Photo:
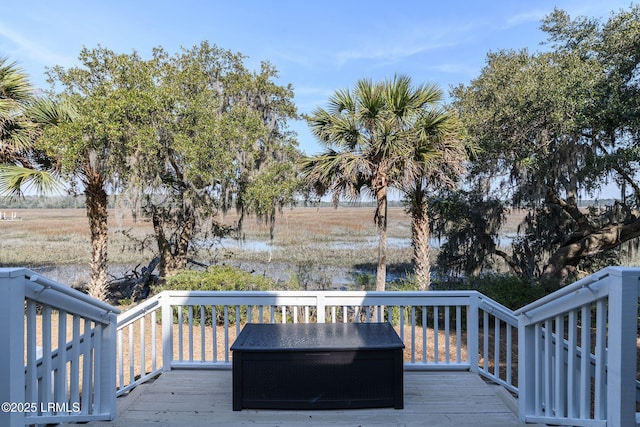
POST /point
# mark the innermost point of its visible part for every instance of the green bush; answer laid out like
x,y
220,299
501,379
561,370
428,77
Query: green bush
x,y
364,281
218,278
509,290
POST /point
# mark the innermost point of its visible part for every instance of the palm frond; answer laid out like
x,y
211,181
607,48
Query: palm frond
x,y
15,180
15,90
428,94
45,111
16,134
340,173
371,101
406,102
341,102
14,83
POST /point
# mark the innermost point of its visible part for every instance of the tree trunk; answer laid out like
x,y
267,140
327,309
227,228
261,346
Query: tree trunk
x,y
420,243
381,222
164,248
564,261
179,259
173,254
98,215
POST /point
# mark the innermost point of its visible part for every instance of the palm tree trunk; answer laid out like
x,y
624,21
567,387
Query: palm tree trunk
x,y
96,199
381,222
420,243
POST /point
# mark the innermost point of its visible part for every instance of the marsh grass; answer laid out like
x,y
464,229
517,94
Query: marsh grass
x,y
46,237
339,237
55,238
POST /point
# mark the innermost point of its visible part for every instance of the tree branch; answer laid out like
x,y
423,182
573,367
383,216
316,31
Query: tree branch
x,y
510,261
625,176
564,260
572,210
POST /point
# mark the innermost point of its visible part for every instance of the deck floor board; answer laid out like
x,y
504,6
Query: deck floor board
x,y
204,397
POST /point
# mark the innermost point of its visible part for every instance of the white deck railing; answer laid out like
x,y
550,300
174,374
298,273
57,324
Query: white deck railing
x,y
57,357
195,329
578,352
570,356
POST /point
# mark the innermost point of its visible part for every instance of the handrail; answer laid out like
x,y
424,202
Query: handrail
x,y
72,379
68,347
571,375
493,306
139,310
311,294
566,290
474,331
50,284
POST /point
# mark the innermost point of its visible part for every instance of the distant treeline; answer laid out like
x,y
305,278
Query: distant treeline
x,y
45,202
78,202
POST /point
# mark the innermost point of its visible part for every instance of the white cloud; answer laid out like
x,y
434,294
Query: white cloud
x,y
414,41
526,17
390,52
30,49
453,68
301,60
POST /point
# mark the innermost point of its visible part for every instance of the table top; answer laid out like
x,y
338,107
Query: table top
x,y
257,337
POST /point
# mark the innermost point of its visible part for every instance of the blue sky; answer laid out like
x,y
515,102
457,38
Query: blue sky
x,y
318,47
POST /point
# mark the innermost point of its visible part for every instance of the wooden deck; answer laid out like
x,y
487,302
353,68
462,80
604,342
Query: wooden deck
x,y
203,397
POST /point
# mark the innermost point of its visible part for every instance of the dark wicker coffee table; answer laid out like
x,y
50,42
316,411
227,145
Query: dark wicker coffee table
x,y
317,366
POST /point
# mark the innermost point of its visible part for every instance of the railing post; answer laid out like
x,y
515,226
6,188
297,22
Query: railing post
x,y
526,367
623,321
472,332
167,333
320,308
108,368
12,386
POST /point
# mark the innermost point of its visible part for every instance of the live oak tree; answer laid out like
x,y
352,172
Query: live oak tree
x,y
221,142
185,136
555,127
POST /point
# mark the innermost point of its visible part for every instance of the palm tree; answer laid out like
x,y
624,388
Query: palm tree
x,y
437,162
22,119
367,133
17,132
15,94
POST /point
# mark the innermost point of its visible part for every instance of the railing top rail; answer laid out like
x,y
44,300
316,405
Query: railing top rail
x,y
328,298
139,310
578,285
495,308
57,287
326,294
569,289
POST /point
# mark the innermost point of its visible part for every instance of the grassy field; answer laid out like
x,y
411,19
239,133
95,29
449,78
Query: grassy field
x,y
323,245
305,238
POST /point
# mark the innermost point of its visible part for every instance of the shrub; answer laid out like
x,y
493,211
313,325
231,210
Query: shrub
x,y
365,281
218,278
509,290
